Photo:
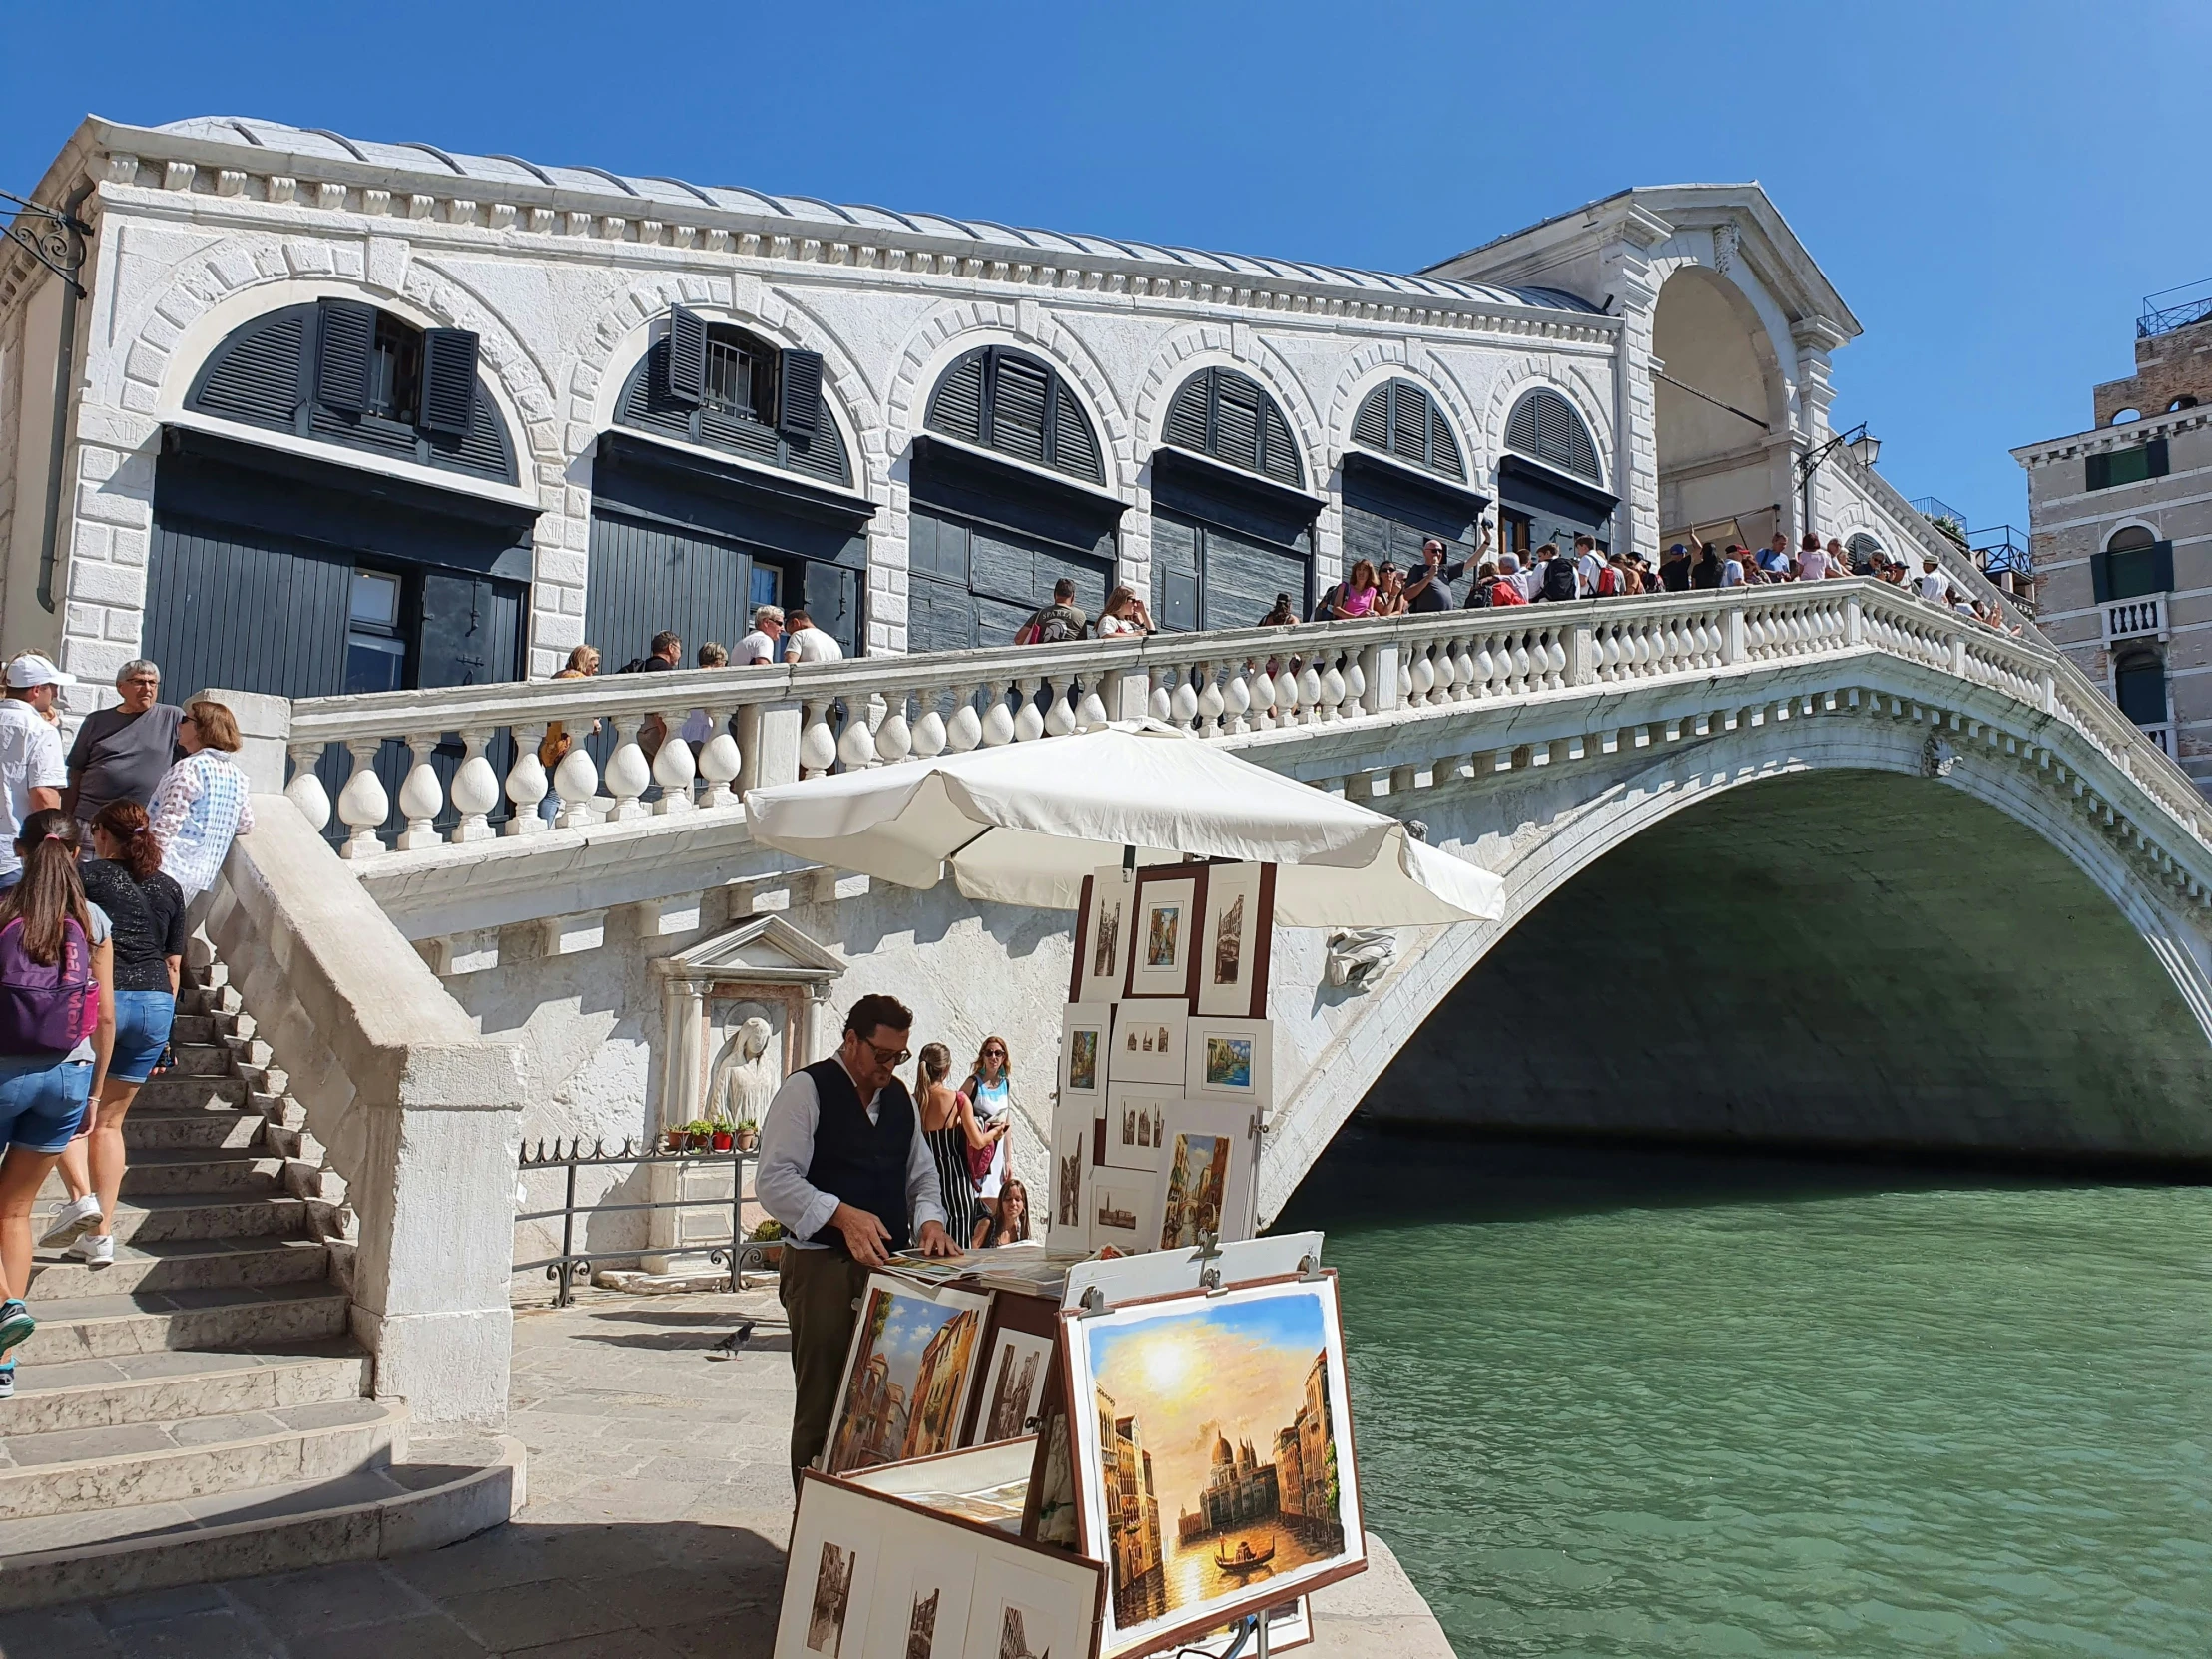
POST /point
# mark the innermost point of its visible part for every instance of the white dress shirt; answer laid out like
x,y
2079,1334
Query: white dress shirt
x,y
788,1150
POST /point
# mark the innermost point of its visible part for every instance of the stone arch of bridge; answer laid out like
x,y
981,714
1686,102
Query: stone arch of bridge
x,y
1958,960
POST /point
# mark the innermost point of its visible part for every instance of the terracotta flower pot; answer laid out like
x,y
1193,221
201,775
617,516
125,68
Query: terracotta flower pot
x,y
701,1140
675,1141
747,1139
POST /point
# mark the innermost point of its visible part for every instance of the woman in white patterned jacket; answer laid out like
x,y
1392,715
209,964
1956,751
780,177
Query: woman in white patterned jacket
x,y
203,803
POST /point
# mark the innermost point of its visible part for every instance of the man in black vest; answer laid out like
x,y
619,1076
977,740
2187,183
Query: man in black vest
x,y
844,1166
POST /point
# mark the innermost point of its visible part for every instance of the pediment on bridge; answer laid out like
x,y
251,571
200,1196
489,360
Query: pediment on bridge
x,y
758,950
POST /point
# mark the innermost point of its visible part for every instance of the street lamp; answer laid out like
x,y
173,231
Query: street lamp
x,y
1863,447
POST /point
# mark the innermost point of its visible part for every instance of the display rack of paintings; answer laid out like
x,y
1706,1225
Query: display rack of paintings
x,y
880,1575
1163,943
907,1376
1238,938
1212,1456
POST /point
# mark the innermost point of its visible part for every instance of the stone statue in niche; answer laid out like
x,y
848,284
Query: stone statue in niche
x,y
745,1075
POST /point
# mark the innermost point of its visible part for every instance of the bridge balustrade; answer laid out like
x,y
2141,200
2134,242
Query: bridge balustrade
x,y
769,724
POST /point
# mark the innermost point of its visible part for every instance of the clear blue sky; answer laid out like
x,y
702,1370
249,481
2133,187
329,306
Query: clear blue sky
x,y
1992,188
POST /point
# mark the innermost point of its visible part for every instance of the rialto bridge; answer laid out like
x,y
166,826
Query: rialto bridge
x,y
1813,864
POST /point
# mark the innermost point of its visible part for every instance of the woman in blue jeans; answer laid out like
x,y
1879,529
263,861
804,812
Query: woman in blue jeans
x,y
146,909
43,1091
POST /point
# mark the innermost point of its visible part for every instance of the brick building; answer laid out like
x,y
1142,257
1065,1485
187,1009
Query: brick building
x,y
2120,521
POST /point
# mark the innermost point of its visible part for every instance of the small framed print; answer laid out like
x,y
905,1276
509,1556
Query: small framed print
x,y
1204,1175
1136,1119
1165,923
1230,1060
1239,935
1085,1031
1102,935
1118,1205
1074,1132
1148,1039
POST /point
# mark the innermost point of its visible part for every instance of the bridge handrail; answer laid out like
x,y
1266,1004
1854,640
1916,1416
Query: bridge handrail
x,y
768,723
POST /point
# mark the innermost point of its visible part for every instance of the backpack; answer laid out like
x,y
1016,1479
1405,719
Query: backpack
x,y
45,1007
1561,581
1608,583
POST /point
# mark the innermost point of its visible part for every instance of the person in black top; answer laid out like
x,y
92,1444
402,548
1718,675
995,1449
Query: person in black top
x,y
146,910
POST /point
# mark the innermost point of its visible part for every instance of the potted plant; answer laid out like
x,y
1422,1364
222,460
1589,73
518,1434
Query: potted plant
x,y
719,1139
770,1228
701,1134
676,1137
748,1135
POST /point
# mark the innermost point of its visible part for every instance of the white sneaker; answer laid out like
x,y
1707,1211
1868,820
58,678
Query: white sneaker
x,y
95,1250
78,1215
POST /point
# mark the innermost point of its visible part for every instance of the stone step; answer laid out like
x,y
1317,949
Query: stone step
x,y
151,1388
104,1327
197,1028
176,1129
200,1060
160,1218
74,1470
447,1490
212,1171
172,1090
181,1265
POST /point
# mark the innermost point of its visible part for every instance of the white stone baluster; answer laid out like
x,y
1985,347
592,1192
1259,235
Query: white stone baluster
x,y
1059,717
673,768
1558,675
998,720
305,790
856,748
719,762
1090,713
929,731
1419,677
1306,705
628,773
475,789
818,745
527,782
894,739
421,796
964,731
362,804
576,782
1356,685
1236,698
1183,700
1028,719
1331,689
1516,677
1210,702
1159,702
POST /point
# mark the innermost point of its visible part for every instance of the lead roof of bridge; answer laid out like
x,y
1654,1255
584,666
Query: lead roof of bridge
x,y
416,157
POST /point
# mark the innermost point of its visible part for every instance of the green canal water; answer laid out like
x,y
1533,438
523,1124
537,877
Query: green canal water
x,y
1658,1404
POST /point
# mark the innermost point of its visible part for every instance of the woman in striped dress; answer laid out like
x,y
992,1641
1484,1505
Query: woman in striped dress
x,y
948,1124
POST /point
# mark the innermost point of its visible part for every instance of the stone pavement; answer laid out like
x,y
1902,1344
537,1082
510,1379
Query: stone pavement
x,y
659,1504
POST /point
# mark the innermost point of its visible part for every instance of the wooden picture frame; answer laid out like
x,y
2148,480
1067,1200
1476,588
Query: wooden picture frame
x,y
1147,1040
1246,1351
1165,922
1237,940
1031,1325
857,1431
1230,1060
1206,1175
1101,965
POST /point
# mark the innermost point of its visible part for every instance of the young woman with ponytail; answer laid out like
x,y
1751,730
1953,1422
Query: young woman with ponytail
x,y
57,1026
146,909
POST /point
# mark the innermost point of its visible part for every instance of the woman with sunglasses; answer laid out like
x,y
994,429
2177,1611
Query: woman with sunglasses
x,y
990,1088
203,803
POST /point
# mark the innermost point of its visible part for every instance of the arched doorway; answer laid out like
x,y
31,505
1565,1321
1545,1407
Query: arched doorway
x,y
1721,407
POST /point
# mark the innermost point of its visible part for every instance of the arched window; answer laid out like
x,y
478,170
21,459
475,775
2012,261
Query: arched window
x,y
2134,563
349,374
1863,550
713,385
2120,417
1227,416
998,398
2182,402
1399,419
1544,427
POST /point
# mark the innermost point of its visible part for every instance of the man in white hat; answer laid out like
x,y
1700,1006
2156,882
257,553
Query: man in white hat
x,y
32,768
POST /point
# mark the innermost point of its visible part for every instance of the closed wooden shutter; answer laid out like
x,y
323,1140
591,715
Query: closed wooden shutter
x,y
2156,459
687,356
1370,427
1444,447
1544,427
1241,577
957,406
2097,472
1074,446
1174,571
1279,454
644,578
1236,422
255,374
1409,422
1186,425
346,339
204,580
1020,392
798,395
448,380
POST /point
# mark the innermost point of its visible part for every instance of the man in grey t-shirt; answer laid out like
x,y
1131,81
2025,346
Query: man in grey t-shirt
x,y
121,752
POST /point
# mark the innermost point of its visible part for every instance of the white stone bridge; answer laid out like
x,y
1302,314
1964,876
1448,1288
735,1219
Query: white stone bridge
x,y
1818,864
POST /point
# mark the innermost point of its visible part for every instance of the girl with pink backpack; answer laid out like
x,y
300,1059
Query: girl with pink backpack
x,y
57,1026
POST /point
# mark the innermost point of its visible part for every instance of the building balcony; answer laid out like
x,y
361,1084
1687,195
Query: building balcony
x,y
2137,619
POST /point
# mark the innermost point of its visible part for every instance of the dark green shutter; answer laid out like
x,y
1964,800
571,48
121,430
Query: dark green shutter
x,y
2097,472
2100,573
345,340
1236,422
957,406
1444,447
1370,427
2156,459
798,395
448,380
255,374
1278,455
687,356
1186,423
1020,395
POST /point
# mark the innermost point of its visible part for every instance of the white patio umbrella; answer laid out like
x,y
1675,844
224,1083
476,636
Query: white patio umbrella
x,y
1024,822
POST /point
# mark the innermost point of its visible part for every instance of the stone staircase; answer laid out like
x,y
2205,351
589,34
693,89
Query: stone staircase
x,y
200,1409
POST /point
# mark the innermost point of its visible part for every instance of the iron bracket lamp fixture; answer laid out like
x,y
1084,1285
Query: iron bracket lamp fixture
x,y
1863,446
53,236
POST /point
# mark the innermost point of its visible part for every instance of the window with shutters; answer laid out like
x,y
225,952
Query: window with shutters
x,y
2125,466
2139,687
718,386
1544,427
1227,416
2133,565
349,374
1002,399
1401,420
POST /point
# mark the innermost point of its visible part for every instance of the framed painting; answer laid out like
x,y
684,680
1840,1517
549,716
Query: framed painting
x,y
1163,943
907,1376
1085,1031
1102,925
1010,1387
1136,1122
1119,1209
1148,1044
1075,1136
1230,1060
1236,1404
1205,1179
1239,936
